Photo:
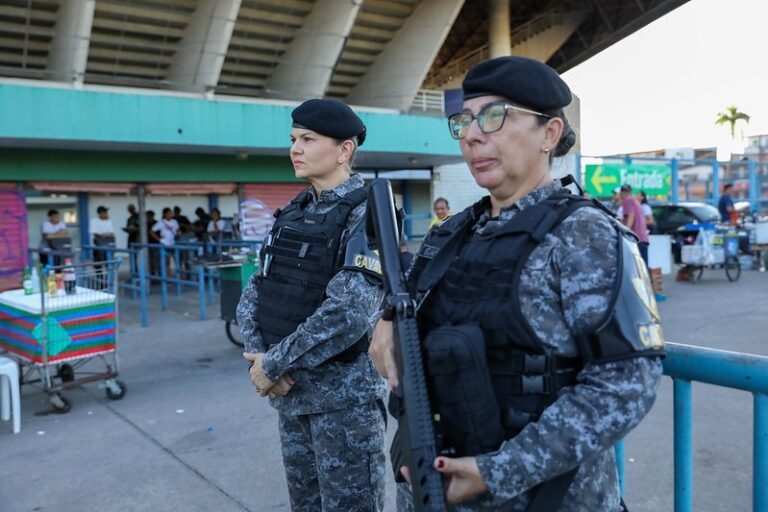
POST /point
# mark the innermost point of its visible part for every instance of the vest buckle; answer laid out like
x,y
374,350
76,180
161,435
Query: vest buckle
x,y
536,364
535,384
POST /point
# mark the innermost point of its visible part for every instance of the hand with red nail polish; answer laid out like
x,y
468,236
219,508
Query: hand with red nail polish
x,y
464,478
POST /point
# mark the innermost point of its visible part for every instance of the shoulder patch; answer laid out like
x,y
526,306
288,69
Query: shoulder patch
x,y
359,257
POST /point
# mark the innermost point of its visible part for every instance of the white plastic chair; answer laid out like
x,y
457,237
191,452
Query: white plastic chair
x,y
9,392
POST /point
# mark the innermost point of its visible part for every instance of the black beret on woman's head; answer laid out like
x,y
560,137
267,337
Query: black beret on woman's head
x,y
331,118
527,82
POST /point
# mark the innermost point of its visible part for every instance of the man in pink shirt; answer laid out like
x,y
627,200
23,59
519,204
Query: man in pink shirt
x,y
633,218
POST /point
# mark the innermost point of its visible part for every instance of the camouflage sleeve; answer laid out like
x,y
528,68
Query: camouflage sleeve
x,y
350,308
247,318
609,401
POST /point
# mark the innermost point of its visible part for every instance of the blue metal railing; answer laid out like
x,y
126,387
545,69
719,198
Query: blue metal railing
x,y
137,283
686,364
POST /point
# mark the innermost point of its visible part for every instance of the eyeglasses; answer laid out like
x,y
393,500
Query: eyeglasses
x,y
490,119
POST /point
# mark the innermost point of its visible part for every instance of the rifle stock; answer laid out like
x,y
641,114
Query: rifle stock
x,y
417,432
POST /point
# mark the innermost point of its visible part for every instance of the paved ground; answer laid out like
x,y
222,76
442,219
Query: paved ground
x,y
192,435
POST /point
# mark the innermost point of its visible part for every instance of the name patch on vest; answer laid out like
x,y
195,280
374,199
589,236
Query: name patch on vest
x,y
428,251
368,263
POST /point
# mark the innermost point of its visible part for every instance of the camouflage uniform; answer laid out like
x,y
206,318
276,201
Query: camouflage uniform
x,y
565,288
331,424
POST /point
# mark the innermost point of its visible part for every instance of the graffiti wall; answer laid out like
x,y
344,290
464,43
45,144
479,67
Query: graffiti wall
x,y
13,236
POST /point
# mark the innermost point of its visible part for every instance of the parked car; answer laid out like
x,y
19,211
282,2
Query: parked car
x,y
669,218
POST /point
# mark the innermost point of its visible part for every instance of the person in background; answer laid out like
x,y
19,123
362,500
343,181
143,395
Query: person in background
x,y
103,233
52,229
200,226
647,210
216,224
616,202
441,209
728,214
406,256
632,217
153,238
165,232
185,225
132,225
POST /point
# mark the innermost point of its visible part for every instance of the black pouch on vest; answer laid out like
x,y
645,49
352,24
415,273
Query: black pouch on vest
x,y
469,419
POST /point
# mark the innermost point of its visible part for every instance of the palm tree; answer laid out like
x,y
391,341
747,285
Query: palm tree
x,y
731,116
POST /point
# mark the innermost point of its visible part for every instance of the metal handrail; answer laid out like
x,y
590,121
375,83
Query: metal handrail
x,y
686,364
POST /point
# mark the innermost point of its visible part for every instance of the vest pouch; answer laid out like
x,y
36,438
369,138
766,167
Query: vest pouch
x,y
457,370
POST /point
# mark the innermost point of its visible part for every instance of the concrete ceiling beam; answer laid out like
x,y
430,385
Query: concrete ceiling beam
x,y
397,73
68,57
203,47
306,67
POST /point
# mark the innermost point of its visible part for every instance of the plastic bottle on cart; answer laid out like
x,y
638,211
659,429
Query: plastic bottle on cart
x,y
50,280
35,276
70,280
26,281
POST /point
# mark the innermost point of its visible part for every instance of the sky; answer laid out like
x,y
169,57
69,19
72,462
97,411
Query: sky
x,y
663,86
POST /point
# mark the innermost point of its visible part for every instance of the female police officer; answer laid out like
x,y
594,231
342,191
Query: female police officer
x,y
305,319
556,293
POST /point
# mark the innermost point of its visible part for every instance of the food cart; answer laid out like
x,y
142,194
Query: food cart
x,y
65,334
234,275
714,247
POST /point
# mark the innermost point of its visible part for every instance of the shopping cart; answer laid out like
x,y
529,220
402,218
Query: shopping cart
x,y
65,334
714,247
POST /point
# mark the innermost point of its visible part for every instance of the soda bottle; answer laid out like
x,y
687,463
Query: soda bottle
x,y
26,281
70,280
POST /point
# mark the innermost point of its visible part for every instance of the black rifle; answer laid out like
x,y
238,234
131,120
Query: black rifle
x,y
416,428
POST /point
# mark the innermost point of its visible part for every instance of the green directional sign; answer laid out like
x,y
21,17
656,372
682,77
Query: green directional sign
x,y
601,179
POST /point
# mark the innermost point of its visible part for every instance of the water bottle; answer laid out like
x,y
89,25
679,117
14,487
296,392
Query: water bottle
x,y
35,276
70,280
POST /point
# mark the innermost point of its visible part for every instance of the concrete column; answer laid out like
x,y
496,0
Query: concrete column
x,y
397,73
499,41
200,55
71,40
306,67
544,44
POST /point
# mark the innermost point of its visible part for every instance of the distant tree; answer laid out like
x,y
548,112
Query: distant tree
x,y
730,117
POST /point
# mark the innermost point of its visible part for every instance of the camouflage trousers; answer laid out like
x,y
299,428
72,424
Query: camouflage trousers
x,y
334,461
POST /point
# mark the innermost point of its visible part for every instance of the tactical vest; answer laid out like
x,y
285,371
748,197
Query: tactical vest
x,y
302,254
480,288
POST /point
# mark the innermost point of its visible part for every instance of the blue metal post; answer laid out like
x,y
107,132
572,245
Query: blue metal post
x,y
683,446
213,202
754,188
675,178
143,286
83,220
211,286
132,280
163,276
618,449
201,285
177,266
760,456
715,182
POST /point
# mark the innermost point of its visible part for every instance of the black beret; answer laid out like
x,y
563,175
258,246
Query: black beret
x,y
527,82
331,118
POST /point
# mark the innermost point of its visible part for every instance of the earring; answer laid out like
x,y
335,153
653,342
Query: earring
x,y
546,150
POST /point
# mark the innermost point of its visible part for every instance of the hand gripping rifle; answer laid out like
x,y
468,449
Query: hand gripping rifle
x,y
417,433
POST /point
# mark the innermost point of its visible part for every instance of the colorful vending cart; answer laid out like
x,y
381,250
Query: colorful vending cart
x,y
65,334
